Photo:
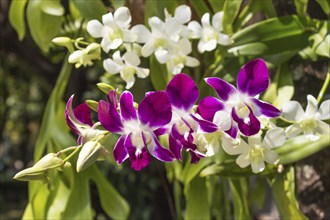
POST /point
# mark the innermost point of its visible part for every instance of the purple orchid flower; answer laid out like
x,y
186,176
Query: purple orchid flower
x,y
183,93
80,122
239,107
137,127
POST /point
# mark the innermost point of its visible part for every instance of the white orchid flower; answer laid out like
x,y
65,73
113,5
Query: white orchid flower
x,y
309,122
114,30
182,15
208,143
127,66
256,151
209,35
85,56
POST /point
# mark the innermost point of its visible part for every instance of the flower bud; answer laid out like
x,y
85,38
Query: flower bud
x,y
92,104
39,170
90,152
106,88
65,42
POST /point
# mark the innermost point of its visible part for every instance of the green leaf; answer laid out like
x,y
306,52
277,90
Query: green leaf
x,y
59,201
114,205
197,204
39,203
192,170
216,5
270,29
79,202
90,9
28,214
200,7
258,193
117,3
52,8
43,27
230,12
16,17
301,7
325,6
239,191
283,191
153,8
158,74
265,6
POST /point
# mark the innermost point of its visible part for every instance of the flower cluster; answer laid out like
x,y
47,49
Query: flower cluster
x,y
169,41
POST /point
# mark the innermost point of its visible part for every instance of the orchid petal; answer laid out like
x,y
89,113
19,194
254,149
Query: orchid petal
x,y
322,128
233,131
159,152
127,109
142,72
270,156
224,39
142,33
274,137
119,152
243,160
195,156
192,62
206,45
109,117
70,117
155,110
131,58
208,106
205,20
253,78
112,98
122,17
111,67
311,108
196,29
250,128
182,92
233,147
94,28
107,19
204,125
83,114
182,14
264,108
292,111
324,111
176,147
223,89
139,158
148,48
217,21
223,120
257,167
293,130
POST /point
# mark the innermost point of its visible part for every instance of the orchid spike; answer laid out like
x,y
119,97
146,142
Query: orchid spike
x,y
137,128
239,108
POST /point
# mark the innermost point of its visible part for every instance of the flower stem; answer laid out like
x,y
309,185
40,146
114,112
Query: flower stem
x,y
324,88
72,154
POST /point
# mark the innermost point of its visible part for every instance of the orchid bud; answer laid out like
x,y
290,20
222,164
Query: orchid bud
x,y
90,152
92,104
65,42
38,171
106,88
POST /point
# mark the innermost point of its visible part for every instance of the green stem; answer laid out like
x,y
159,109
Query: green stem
x,y
324,88
72,154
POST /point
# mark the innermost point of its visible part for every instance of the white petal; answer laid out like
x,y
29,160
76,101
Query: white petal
x,y
223,120
131,58
274,137
192,62
292,111
129,36
257,167
324,111
156,24
116,43
148,49
107,19
122,17
75,56
311,108
207,45
142,72
162,55
106,44
94,28
217,21
117,58
243,160
322,128
205,20
111,67
129,79
185,46
196,29
143,34
255,139
172,29
293,130
224,39
270,156
231,147
182,14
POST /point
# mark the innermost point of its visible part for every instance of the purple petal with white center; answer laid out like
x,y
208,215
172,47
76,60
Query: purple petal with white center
x,y
112,98
109,117
158,151
175,147
161,131
139,158
69,114
251,127
119,152
253,77
195,156
182,92
83,114
127,109
233,131
155,110
204,125
208,106
264,108
223,89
